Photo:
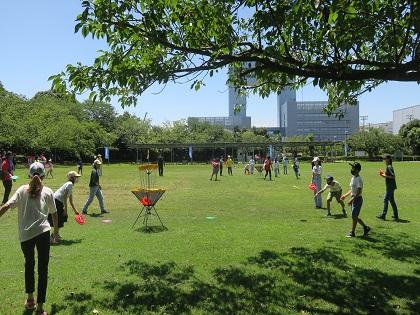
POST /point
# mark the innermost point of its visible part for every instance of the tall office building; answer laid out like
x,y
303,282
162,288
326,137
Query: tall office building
x,y
303,118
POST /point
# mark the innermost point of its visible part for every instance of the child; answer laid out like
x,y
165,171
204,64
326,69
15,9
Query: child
x,y
296,167
276,167
215,165
335,192
391,185
316,180
356,201
246,169
49,167
285,163
251,166
80,166
61,196
267,167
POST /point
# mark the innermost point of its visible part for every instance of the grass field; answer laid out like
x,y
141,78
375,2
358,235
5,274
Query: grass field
x,y
266,251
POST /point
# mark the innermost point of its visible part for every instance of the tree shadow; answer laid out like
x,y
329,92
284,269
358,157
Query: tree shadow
x,y
300,280
399,247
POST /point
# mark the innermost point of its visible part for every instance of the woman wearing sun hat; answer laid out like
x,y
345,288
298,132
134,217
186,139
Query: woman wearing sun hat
x,y
61,196
34,202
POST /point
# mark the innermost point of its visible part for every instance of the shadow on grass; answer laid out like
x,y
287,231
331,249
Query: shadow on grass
x,y
152,229
65,242
300,280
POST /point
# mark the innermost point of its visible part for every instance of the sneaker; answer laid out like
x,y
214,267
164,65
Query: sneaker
x,y
30,304
395,218
366,231
84,212
104,211
381,216
351,234
344,213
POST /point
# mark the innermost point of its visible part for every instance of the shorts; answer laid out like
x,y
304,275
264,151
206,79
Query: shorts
x,y
334,194
60,213
356,206
215,171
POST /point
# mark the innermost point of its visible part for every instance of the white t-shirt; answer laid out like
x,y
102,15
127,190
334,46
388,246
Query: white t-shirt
x,y
317,170
251,162
32,212
67,187
355,183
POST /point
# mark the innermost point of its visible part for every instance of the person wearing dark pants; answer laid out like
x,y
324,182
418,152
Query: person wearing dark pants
x,y
221,162
391,185
7,173
42,245
34,202
160,164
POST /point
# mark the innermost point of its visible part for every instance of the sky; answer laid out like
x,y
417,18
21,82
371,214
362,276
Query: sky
x,y
37,40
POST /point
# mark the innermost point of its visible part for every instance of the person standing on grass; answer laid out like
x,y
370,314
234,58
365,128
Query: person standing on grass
x,y
390,185
49,167
229,164
80,166
356,201
285,164
6,175
160,163
276,167
99,165
34,202
251,166
268,165
95,189
296,167
317,181
335,192
221,161
215,168
61,196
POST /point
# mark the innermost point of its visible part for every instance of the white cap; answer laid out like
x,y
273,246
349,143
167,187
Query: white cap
x,y
72,174
36,168
315,159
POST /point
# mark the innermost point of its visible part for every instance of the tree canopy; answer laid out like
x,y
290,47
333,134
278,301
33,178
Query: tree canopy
x,y
346,47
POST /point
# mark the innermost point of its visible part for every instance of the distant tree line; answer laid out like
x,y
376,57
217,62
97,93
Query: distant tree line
x,y
65,128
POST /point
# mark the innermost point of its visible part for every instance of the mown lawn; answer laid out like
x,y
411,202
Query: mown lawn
x,y
240,245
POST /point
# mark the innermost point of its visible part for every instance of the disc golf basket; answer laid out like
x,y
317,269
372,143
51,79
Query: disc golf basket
x,y
147,194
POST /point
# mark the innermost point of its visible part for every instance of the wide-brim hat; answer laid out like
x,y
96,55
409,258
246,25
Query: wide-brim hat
x,y
72,174
316,159
36,168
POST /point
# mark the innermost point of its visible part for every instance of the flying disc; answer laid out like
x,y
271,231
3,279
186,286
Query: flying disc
x,y
14,177
79,219
210,218
106,221
312,186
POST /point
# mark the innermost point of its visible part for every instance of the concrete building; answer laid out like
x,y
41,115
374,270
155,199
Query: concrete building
x,y
303,118
403,116
386,126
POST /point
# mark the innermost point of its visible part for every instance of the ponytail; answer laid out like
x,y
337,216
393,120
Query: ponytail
x,y
35,186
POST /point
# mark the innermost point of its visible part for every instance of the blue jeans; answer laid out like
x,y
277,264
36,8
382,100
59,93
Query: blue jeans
x,y
389,196
318,199
94,191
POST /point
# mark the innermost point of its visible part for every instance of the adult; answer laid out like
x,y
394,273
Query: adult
x,y
229,164
285,164
215,168
61,197
80,166
49,168
267,167
221,162
160,163
390,185
95,189
296,167
99,158
317,181
34,202
276,167
251,166
7,173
